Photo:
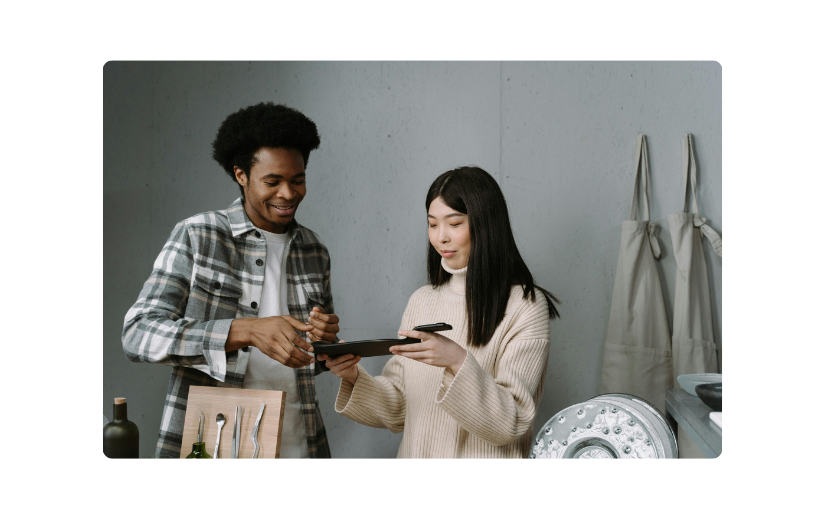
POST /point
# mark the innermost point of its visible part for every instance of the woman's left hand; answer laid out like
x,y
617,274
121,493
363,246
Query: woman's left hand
x,y
434,349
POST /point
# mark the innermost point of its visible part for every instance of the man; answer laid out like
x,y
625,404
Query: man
x,y
231,290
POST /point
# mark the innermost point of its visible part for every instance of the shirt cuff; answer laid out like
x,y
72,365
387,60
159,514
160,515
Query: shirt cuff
x,y
214,348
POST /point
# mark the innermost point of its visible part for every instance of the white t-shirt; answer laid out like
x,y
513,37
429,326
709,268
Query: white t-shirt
x,y
265,373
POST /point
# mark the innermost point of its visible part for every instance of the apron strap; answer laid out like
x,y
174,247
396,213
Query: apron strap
x,y
651,237
689,170
640,163
713,236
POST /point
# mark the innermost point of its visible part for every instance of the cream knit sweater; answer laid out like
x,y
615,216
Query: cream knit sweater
x,y
487,409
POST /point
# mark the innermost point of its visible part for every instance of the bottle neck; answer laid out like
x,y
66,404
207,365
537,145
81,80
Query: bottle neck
x,y
119,413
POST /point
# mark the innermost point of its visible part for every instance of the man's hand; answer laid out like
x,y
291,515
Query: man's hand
x,y
324,326
275,337
434,349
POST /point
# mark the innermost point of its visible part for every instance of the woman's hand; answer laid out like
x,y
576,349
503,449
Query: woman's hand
x,y
344,366
434,349
324,325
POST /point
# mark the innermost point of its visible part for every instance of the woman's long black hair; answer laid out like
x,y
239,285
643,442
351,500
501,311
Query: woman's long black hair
x,y
495,264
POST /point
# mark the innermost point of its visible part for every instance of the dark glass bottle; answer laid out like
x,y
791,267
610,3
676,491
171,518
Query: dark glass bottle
x,y
199,451
121,438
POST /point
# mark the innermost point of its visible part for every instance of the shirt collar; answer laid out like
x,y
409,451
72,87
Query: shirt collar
x,y
240,223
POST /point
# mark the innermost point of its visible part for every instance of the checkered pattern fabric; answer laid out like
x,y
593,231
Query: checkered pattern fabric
x,y
210,272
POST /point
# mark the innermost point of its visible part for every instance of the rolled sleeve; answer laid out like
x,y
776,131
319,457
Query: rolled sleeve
x,y
156,329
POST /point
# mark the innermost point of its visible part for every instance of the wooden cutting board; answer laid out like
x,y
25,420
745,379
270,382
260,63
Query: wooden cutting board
x,y
214,400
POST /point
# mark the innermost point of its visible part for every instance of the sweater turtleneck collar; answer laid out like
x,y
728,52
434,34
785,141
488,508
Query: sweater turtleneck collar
x,y
458,280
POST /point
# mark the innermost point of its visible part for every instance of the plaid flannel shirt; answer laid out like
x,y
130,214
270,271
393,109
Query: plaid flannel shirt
x,y
210,272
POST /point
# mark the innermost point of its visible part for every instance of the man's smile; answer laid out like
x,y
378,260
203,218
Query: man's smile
x,y
284,209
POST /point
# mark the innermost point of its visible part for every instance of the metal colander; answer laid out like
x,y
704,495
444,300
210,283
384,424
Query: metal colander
x,y
614,425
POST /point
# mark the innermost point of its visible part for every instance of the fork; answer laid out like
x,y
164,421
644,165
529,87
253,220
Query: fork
x,y
255,432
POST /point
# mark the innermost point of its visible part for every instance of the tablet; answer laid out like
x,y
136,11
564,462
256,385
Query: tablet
x,y
373,348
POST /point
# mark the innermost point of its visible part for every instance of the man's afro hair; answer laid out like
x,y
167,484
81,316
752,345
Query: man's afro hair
x,y
248,130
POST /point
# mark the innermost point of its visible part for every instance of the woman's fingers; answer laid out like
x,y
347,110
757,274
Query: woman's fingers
x,y
403,348
421,356
415,334
335,361
346,365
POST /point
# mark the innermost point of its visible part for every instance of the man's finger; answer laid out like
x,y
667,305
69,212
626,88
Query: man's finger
x,y
319,309
298,342
318,323
296,347
280,356
319,317
295,323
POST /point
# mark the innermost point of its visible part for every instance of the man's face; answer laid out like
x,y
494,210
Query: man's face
x,y
275,186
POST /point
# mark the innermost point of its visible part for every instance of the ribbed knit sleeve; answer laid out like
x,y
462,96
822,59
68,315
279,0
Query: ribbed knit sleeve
x,y
498,410
485,410
375,401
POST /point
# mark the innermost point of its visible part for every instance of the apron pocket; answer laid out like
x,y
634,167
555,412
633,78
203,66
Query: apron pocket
x,y
694,356
642,372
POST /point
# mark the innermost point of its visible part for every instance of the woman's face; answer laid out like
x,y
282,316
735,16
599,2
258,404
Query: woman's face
x,y
449,233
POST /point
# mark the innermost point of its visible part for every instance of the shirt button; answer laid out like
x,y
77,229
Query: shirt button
x,y
259,262
257,234
254,304
217,284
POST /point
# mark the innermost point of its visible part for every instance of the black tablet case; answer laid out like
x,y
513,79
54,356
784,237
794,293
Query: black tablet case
x,y
373,348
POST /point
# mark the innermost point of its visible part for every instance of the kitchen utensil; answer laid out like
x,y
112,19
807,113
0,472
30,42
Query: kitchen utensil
x,y
689,382
214,400
220,419
255,432
235,435
711,395
615,425
201,419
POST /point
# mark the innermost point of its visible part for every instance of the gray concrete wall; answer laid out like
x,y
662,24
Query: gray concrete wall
x,y
557,136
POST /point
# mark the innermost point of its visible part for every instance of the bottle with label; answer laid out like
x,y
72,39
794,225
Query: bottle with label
x,y
199,451
121,438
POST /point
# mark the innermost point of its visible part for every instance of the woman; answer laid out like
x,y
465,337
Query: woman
x,y
473,391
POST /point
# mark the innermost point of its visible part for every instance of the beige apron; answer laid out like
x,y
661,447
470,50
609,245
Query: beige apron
x,y
694,350
637,355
